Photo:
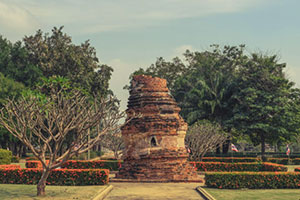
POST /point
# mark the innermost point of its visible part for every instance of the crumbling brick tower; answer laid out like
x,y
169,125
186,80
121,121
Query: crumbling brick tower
x,y
155,149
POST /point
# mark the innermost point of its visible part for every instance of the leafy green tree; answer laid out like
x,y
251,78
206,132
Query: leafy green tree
x,y
9,89
205,90
245,93
56,55
267,105
15,64
163,69
53,114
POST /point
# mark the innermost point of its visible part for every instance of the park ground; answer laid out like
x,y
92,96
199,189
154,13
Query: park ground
x,y
145,191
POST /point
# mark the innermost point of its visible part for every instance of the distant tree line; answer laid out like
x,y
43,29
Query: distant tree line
x,y
245,94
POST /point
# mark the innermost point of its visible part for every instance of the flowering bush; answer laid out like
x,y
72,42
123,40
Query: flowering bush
x,y
56,177
252,180
218,166
9,166
230,159
297,169
113,165
34,164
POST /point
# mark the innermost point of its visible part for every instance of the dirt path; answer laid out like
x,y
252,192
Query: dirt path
x,y
154,191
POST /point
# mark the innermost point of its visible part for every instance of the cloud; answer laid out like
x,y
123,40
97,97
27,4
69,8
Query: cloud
x,y
15,20
293,73
93,16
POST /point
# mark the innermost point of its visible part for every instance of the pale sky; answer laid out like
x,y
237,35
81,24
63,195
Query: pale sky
x,y
129,34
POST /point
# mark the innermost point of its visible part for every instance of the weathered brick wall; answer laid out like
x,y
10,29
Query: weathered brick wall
x,y
155,147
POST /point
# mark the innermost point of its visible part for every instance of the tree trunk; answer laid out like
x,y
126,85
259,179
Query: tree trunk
x,y
42,183
225,146
263,147
218,149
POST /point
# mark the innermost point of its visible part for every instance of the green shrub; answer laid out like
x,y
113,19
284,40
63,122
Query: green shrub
x,y
255,167
56,177
285,161
252,180
33,164
297,169
253,154
84,156
230,159
112,165
15,159
35,158
5,157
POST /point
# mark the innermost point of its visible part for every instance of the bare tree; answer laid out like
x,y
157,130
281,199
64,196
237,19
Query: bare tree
x,y
114,142
203,137
45,122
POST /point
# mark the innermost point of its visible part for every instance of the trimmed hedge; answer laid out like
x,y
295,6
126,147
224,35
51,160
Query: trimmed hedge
x,y
5,157
56,177
254,154
230,159
9,166
35,158
112,165
252,180
256,167
285,161
15,159
34,164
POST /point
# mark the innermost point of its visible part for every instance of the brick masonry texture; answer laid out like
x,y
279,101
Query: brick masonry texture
x,y
155,149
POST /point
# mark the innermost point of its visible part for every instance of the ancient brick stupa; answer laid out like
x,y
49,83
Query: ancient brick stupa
x,y
155,149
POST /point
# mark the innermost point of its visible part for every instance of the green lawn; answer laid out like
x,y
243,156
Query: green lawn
x,y
292,167
21,164
26,192
247,194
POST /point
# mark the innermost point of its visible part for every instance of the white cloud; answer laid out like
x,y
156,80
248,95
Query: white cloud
x,y
293,73
92,16
15,20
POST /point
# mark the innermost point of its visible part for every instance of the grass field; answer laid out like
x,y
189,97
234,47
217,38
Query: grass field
x,y
21,164
247,194
292,167
28,192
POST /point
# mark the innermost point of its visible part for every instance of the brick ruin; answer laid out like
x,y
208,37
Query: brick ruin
x,y
155,149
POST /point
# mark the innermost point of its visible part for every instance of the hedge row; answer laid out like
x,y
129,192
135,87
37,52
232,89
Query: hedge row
x,y
34,164
230,159
252,180
112,165
5,157
253,154
9,166
255,167
56,177
285,161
